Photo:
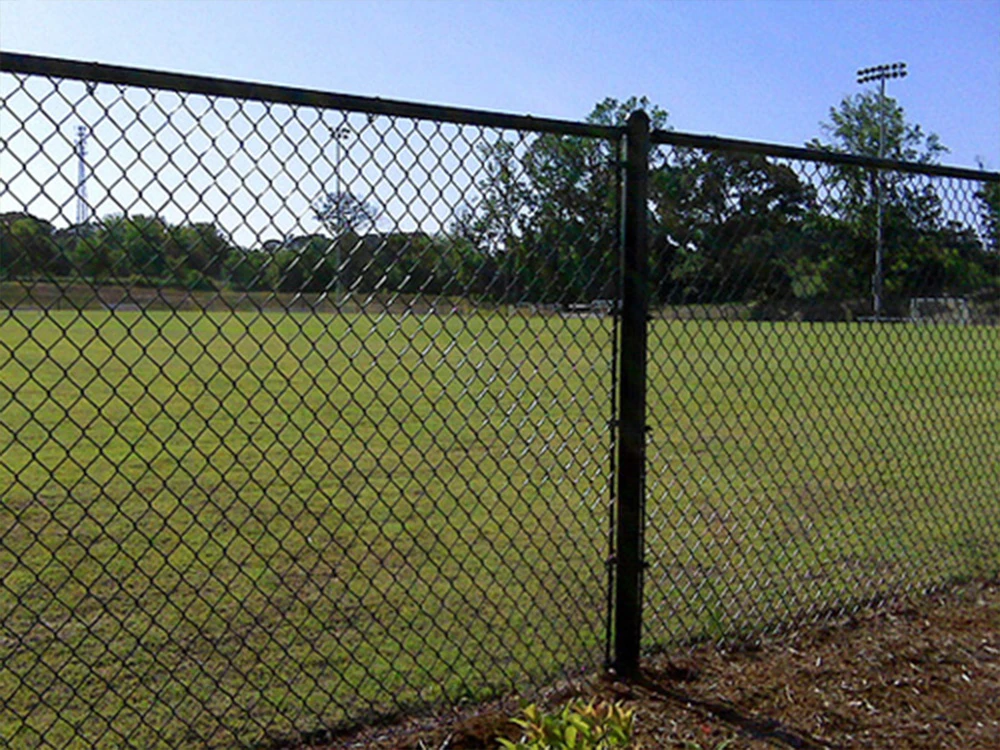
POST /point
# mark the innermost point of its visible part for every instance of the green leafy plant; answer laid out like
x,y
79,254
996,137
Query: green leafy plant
x,y
578,726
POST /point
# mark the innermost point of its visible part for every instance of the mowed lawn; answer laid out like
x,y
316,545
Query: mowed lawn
x,y
796,469
216,526
220,527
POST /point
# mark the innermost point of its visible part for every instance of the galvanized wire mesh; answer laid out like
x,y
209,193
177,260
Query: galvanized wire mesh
x,y
305,416
806,456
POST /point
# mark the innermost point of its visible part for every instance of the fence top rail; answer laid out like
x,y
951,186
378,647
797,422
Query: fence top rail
x,y
93,72
733,145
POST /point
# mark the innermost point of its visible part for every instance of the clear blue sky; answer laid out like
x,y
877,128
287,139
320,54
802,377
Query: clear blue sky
x,y
749,69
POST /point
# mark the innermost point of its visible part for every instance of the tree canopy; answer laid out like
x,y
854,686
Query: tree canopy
x,y
541,224
854,127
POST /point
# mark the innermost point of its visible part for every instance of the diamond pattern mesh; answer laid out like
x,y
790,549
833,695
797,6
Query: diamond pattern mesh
x,y
803,458
307,415
306,421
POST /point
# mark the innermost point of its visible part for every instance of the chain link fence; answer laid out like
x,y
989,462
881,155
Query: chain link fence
x,y
310,404
808,451
306,412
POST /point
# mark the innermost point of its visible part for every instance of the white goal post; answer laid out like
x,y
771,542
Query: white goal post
x,y
941,310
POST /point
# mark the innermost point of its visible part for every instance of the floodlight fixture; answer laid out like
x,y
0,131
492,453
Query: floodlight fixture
x,y
882,72
339,134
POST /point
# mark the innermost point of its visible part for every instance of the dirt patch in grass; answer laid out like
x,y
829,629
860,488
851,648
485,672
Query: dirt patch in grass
x,y
912,673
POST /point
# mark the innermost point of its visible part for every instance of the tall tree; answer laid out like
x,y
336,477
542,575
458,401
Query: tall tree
x,y
925,252
205,248
547,211
854,128
28,248
726,227
345,216
341,212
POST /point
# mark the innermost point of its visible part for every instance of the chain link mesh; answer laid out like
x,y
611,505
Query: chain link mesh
x,y
305,415
805,455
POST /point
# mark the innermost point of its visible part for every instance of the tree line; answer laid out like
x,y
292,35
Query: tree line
x,y
728,227
724,227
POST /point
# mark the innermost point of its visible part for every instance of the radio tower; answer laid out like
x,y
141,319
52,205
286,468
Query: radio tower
x,y
82,209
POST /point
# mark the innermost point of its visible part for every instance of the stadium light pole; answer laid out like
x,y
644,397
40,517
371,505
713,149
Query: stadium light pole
x,y
340,133
880,73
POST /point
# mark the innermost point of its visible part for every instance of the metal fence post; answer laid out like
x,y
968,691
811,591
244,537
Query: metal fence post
x,y
632,400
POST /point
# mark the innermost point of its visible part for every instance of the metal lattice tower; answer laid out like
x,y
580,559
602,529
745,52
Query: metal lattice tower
x,y
82,209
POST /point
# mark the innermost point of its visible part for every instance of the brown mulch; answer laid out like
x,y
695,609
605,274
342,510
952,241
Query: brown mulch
x,y
912,673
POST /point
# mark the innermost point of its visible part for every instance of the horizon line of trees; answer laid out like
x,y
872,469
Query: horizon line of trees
x,y
724,227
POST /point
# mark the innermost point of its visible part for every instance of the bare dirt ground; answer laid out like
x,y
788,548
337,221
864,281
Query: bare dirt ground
x,y
913,673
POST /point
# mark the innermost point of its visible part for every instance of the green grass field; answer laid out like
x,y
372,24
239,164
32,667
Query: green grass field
x,y
795,469
217,527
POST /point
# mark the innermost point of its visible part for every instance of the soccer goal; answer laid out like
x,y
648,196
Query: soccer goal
x,y
938,310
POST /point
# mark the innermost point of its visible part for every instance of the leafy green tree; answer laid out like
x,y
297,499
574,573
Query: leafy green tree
x,y
306,264
147,250
28,247
101,254
727,227
341,212
150,247
345,217
547,215
252,269
854,128
476,266
203,247
124,246
925,252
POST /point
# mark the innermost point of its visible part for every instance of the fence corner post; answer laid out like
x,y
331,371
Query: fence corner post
x,y
632,401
